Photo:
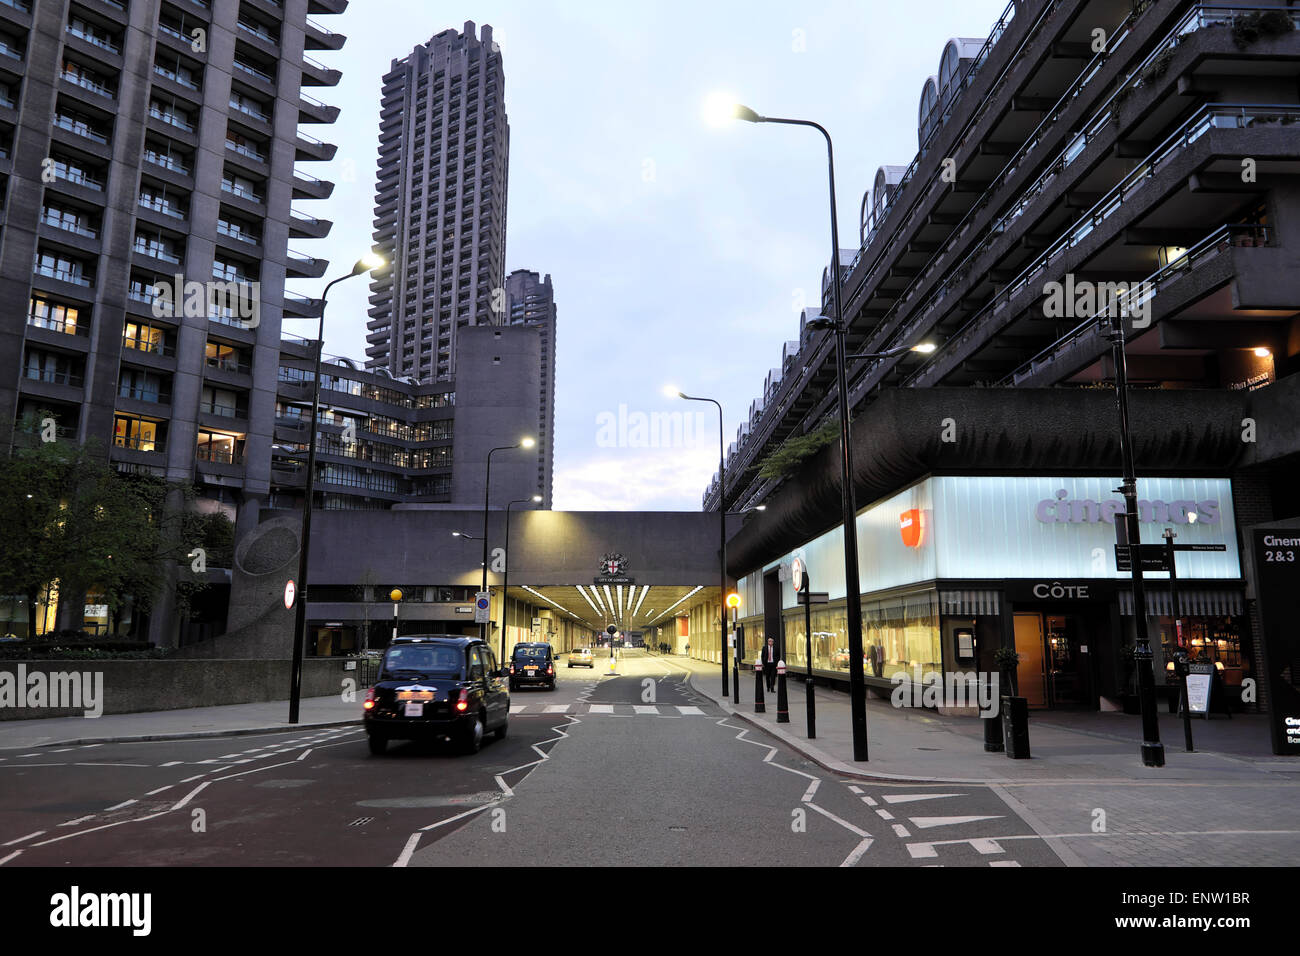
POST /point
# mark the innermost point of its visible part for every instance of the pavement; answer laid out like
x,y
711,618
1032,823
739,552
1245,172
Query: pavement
x,y
915,744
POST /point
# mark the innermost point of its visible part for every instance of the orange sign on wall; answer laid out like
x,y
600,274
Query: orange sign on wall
x,y
912,527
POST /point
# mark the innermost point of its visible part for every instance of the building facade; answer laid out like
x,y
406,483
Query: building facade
x,y
440,203
530,300
1088,160
148,182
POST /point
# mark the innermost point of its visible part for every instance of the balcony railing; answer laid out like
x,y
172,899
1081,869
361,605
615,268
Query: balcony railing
x,y
80,127
146,393
86,83
67,225
136,443
59,325
227,364
1226,236
104,43
217,455
155,347
63,275
52,376
218,408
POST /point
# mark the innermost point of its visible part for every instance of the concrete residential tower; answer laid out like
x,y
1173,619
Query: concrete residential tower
x,y
440,203
531,301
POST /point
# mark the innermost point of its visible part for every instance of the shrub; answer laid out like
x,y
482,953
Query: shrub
x,y
1251,27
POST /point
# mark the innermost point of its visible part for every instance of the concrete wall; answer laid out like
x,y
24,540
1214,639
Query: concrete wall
x,y
135,686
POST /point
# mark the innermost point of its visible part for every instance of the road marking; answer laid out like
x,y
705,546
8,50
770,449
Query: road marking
x,y
925,851
112,765
689,711
119,806
191,795
844,823
855,789
303,755
912,797
885,814
645,709
1003,863
22,838
517,708
861,848
6,859
901,830
73,823
926,823
160,790
868,801
405,856
231,776
601,709
556,709
171,763
812,789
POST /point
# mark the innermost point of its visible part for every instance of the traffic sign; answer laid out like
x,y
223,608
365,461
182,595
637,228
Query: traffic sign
x,y
813,597
482,602
796,574
1154,557
289,591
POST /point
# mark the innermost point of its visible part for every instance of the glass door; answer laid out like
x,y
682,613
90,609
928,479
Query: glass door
x,y
1030,672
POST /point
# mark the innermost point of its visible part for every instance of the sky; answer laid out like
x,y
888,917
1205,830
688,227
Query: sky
x,y
680,252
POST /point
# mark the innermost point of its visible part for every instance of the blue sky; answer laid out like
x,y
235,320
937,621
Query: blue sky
x,y
679,252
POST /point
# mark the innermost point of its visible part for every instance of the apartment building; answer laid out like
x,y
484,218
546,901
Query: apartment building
x,y
440,203
148,183
1086,152
530,300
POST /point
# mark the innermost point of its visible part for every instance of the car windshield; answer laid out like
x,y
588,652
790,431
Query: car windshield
x,y
533,653
423,658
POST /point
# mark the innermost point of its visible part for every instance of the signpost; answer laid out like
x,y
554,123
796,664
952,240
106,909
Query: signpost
x,y
807,598
289,591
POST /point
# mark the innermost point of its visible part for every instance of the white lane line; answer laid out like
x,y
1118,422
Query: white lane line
x,y
160,790
6,859
171,763
22,838
517,708
119,806
926,823
601,709
844,823
855,789
868,801
689,711
901,830
459,816
913,797
556,709
886,815
112,765
812,789
191,795
861,848
645,709
407,851
106,826
62,750
303,755
242,773
73,823
1003,863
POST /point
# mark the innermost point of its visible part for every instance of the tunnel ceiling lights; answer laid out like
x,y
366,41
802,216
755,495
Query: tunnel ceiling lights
x,y
645,589
546,599
609,598
618,588
587,599
698,587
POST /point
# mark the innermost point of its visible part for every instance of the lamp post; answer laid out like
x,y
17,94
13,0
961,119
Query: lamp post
x,y
1153,751
487,485
722,527
505,570
396,595
857,683
369,263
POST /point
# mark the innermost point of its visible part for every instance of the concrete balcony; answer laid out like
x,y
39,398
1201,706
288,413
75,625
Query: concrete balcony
x,y
309,187
315,73
309,148
298,266
302,226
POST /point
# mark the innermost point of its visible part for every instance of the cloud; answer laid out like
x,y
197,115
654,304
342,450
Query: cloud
x,y
649,479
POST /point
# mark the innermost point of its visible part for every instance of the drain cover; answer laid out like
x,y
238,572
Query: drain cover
x,y
927,748
678,829
361,821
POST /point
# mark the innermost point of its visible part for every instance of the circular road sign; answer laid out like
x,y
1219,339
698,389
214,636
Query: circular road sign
x,y
796,574
289,591
482,603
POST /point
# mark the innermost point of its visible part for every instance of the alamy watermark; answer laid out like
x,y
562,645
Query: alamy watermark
x,y
932,689
629,429
63,690
1083,299
234,300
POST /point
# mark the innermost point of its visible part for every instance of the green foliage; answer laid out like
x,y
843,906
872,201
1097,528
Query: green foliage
x,y
1006,658
1251,27
786,460
71,518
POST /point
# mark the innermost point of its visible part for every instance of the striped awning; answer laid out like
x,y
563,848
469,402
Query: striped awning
x,y
1194,602
970,602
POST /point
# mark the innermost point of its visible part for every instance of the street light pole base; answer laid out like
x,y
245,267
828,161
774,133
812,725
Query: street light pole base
x,y
1153,754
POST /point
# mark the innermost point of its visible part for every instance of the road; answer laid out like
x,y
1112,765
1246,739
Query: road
x,y
626,768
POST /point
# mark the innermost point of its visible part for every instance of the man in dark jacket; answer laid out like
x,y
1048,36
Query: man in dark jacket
x,y
769,664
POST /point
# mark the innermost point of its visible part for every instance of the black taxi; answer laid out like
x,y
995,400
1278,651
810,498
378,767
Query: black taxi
x,y
437,687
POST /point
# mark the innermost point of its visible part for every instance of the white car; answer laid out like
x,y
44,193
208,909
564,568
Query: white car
x,y
581,657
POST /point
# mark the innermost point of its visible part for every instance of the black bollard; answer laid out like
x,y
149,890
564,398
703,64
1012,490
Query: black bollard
x,y
782,702
759,707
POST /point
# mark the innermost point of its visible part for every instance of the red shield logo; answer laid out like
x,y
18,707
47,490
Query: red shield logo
x,y
912,527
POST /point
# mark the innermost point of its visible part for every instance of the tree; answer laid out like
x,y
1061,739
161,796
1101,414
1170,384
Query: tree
x,y
72,518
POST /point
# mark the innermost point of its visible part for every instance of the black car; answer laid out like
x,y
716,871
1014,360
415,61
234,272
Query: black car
x,y
532,664
436,686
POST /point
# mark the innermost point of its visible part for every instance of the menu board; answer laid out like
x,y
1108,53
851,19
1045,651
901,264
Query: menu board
x,y
1277,580
1200,680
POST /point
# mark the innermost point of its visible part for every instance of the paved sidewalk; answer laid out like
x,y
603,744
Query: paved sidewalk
x,y
224,721
920,745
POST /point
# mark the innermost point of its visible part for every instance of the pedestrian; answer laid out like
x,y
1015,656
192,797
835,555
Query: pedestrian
x,y
769,664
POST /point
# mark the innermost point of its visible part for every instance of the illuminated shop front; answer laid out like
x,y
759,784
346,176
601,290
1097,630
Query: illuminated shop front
x,y
954,567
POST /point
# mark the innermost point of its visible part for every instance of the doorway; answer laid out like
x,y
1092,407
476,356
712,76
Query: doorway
x,y
1055,667
1031,680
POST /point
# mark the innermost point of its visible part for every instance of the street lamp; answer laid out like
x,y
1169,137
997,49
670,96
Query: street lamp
x,y
505,570
369,263
673,392
719,110
1153,751
487,485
